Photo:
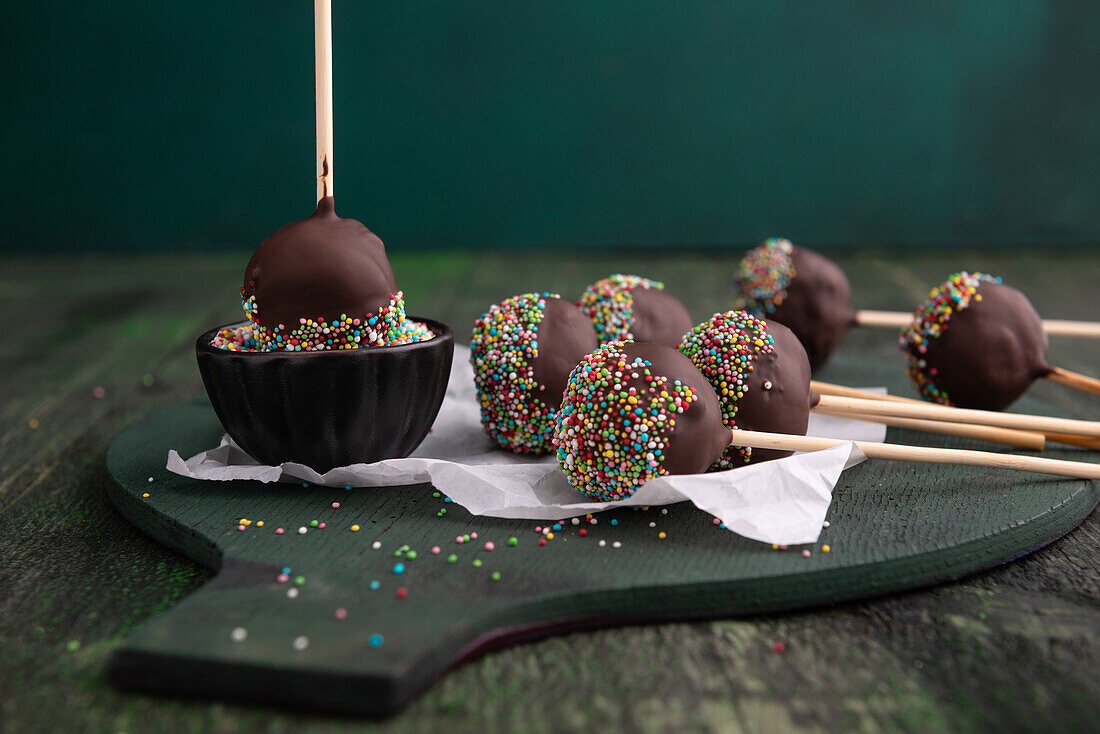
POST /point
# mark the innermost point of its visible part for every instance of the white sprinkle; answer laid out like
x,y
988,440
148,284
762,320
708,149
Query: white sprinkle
x,y
302,530
292,593
664,511
576,521
238,634
301,642
653,525
825,524
616,544
150,479
603,543
376,544
593,521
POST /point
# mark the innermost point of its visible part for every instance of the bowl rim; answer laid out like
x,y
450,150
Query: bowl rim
x,y
442,331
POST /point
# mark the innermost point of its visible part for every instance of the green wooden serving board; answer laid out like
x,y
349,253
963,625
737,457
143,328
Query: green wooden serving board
x,y
893,526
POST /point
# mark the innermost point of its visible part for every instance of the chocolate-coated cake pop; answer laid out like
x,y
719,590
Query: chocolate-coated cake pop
x,y
323,282
634,411
806,292
975,343
761,374
630,308
522,351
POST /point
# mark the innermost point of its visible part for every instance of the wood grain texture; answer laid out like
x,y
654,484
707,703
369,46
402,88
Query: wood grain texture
x,y
1013,648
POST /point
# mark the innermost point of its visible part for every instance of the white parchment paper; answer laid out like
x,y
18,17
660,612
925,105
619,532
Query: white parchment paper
x,y
783,501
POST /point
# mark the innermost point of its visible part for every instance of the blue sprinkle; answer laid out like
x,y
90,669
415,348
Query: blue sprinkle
x,y
399,568
287,570
347,487
447,499
374,585
376,640
614,522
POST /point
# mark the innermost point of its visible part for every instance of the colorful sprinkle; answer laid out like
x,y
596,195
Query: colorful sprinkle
x,y
609,302
763,275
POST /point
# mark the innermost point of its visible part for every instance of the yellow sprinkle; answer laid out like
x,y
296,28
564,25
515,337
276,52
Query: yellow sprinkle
x,y
146,494
825,549
33,423
662,535
260,523
775,546
355,528
549,536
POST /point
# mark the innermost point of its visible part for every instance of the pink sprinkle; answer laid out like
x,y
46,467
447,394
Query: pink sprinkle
x,y
473,535
341,613
279,531
99,392
436,550
460,539
336,505
489,545
538,528
321,526
717,521
241,528
782,547
282,578
805,554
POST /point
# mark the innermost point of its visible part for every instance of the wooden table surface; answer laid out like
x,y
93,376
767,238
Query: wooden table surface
x,y
94,343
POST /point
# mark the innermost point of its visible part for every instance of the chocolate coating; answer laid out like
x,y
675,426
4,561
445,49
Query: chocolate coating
x,y
699,436
818,306
784,407
565,335
989,353
321,267
659,317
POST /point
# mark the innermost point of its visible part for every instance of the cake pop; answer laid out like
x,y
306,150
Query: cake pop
x,y
323,282
630,308
761,375
634,411
522,351
975,343
806,292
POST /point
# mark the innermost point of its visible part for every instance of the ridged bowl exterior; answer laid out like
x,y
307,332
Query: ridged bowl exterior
x,y
328,409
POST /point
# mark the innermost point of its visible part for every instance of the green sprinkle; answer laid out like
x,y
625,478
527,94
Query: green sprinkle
x,y
73,645
299,580
513,541
435,494
495,576
313,523
477,563
452,558
411,555
148,380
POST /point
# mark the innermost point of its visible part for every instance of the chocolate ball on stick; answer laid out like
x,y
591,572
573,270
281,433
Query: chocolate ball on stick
x,y
634,411
806,292
630,308
522,351
320,283
975,343
761,375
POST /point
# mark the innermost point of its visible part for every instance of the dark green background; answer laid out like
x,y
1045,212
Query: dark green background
x,y
576,122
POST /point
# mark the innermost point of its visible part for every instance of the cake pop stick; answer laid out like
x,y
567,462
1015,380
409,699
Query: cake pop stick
x,y
1005,436
1052,327
810,294
978,343
634,411
826,388
874,450
322,68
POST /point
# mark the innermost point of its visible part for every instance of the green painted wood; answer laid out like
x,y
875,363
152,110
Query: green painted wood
x,y
579,122
893,527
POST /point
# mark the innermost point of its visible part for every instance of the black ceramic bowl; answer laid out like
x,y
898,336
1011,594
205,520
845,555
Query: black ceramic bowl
x,y
328,409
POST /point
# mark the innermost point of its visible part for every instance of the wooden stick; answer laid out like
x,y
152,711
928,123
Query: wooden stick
x,y
962,415
1007,436
1075,380
1053,327
782,441
322,63
828,388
